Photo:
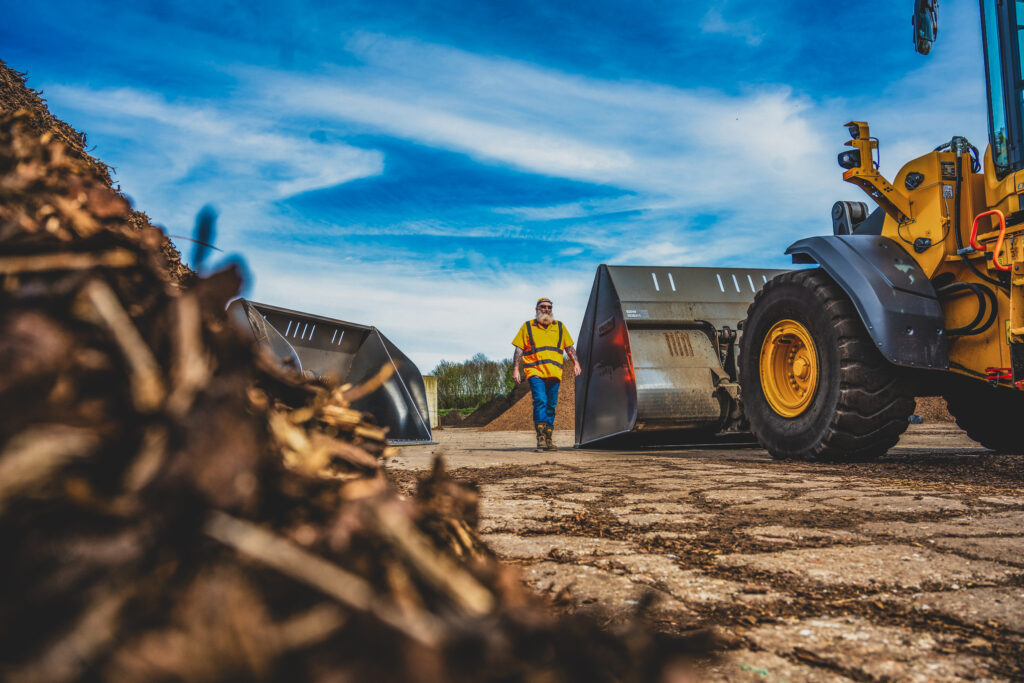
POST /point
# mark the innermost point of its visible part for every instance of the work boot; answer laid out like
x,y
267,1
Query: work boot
x,y
549,445
541,443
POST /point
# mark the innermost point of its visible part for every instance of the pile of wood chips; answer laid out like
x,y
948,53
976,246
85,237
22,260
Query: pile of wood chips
x,y
15,95
490,410
519,416
175,506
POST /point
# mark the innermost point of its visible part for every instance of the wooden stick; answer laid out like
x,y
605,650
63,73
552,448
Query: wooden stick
x,y
32,456
191,370
310,628
146,383
371,385
70,657
36,263
441,571
348,589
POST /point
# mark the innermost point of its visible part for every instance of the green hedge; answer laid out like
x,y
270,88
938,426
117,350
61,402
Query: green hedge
x,y
471,383
443,412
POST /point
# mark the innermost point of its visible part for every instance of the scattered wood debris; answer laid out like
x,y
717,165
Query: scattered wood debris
x,y
173,505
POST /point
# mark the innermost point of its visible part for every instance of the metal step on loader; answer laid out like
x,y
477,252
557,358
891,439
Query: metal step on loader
x,y
346,353
658,352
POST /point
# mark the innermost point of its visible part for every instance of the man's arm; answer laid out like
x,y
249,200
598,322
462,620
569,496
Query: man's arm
x,y
515,365
571,352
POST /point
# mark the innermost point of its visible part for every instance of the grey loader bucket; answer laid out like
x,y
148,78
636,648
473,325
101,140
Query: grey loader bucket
x,y
658,353
349,354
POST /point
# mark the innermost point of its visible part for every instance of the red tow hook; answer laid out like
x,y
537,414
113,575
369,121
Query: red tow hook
x,y
996,375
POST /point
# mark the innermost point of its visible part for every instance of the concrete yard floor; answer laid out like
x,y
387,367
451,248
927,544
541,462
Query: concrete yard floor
x,y
909,568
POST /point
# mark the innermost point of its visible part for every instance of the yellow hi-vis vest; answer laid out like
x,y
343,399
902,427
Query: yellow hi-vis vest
x,y
542,347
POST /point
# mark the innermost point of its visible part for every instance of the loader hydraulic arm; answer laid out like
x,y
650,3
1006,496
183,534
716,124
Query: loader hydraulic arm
x,y
861,171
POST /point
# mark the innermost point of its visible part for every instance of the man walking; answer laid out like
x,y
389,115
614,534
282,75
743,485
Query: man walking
x,y
540,344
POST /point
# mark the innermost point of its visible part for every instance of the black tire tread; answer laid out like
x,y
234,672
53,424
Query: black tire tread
x,y
874,401
990,416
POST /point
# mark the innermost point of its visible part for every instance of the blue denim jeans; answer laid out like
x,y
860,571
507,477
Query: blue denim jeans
x,y
545,398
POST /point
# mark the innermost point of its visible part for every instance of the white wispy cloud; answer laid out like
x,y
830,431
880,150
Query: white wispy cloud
x,y
687,145
236,152
714,21
759,159
757,155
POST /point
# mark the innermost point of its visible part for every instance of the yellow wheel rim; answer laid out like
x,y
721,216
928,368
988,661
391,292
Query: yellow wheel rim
x,y
789,368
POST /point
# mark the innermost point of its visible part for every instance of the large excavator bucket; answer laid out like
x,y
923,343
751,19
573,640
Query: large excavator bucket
x,y
658,353
346,353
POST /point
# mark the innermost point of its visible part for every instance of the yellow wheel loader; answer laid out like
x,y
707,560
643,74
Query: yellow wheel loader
x,y
923,296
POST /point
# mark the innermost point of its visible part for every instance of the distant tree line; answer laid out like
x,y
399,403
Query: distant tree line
x,y
467,385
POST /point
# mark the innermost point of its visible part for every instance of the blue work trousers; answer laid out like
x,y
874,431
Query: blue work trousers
x,y
545,398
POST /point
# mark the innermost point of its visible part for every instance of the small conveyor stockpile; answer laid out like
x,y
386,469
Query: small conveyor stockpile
x,y
657,347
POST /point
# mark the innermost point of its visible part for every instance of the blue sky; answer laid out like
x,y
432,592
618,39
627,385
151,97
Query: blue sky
x,y
433,167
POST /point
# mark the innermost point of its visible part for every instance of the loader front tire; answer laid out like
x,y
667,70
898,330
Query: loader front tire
x,y
991,416
814,386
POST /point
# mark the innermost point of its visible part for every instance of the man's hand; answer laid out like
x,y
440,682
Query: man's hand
x,y
517,378
571,352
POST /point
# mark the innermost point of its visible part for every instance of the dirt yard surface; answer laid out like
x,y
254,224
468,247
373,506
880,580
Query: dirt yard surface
x,y
910,568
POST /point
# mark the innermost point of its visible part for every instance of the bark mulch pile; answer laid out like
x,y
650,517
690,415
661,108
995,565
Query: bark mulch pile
x,y
520,416
15,95
173,506
453,419
486,413
933,409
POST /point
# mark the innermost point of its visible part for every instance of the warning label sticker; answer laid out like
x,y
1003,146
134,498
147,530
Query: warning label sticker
x,y
948,170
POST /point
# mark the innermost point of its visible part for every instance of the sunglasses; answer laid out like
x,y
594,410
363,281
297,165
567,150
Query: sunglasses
x,y
544,308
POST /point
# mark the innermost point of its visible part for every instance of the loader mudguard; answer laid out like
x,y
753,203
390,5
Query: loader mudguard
x,y
892,295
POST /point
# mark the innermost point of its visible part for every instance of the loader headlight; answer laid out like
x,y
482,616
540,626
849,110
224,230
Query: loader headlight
x,y
854,132
849,159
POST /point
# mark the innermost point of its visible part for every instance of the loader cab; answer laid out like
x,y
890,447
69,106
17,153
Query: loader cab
x,y
1001,23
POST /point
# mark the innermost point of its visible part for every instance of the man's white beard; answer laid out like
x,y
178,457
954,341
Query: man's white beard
x,y
544,317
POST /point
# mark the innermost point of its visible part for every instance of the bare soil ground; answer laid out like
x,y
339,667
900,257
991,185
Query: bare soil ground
x,y
910,568
519,417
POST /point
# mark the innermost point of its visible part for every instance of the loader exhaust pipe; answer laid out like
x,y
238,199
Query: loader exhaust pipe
x,y
344,352
657,349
